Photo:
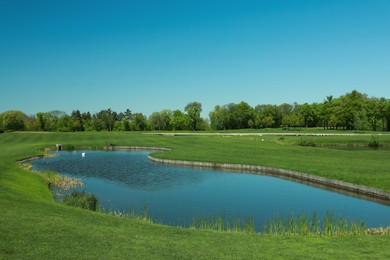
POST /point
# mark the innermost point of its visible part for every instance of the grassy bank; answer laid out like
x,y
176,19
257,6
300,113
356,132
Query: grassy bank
x,y
33,226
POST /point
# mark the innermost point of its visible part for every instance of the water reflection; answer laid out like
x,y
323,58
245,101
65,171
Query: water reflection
x,y
134,171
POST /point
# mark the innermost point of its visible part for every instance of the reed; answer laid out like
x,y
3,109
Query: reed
x,y
249,225
81,199
131,214
306,225
223,224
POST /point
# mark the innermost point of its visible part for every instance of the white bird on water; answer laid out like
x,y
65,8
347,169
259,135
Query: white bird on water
x,y
83,154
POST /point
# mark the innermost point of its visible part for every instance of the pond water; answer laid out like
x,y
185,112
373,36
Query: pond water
x,y
126,180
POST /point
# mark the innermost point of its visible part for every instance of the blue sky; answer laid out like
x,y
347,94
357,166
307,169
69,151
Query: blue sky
x,y
153,55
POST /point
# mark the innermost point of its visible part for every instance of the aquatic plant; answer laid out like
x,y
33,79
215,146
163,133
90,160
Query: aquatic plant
x,y
131,214
81,199
305,225
374,142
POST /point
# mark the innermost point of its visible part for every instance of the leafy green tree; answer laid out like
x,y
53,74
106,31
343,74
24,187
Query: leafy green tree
x,y
65,123
267,116
335,117
351,104
87,121
204,124
77,121
382,103
14,120
293,120
138,122
180,121
49,121
119,125
219,118
308,113
373,113
193,110
387,115
161,120
325,111
105,120
267,121
40,120
240,115
360,120
1,123
30,123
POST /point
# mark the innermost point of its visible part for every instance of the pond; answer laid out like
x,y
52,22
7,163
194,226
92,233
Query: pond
x,y
127,180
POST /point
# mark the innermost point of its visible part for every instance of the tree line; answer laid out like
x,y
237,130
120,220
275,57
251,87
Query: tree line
x,y
105,120
352,111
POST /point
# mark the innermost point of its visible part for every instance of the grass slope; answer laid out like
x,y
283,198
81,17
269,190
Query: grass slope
x,y
33,226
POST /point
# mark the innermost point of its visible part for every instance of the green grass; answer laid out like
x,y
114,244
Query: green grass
x,y
32,225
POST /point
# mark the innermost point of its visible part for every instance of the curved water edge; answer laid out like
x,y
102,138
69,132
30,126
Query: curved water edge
x,y
353,190
125,180
346,188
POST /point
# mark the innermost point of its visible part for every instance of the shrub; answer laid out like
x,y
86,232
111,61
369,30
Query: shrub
x,y
70,147
81,199
310,143
374,143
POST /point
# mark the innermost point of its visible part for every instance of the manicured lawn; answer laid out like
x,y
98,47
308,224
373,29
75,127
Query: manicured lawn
x,y
33,226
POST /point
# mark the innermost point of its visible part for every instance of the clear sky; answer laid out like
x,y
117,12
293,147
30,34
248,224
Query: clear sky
x,y
153,55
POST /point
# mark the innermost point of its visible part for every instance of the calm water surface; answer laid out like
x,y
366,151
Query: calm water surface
x,y
125,180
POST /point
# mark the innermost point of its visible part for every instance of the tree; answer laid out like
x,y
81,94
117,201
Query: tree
x,y
267,116
87,121
138,122
160,120
180,121
77,121
218,118
351,104
387,115
240,115
193,110
293,120
65,124
1,123
360,120
325,111
13,120
308,113
49,121
373,112
105,120
40,119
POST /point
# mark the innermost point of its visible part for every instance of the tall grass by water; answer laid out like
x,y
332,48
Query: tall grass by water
x,y
81,199
223,223
279,225
131,214
311,224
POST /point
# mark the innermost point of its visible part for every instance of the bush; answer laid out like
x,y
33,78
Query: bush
x,y
82,200
374,143
310,143
70,147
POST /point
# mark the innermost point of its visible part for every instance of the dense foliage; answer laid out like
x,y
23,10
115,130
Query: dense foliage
x,y
352,111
